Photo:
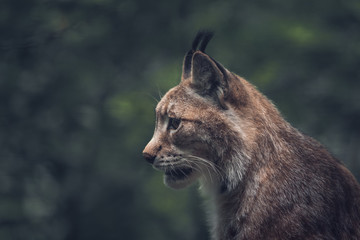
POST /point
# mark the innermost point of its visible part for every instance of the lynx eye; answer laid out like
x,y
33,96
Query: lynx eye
x,y
174,123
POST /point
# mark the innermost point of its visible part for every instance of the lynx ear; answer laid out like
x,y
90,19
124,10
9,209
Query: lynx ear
x,y
186,69
208,78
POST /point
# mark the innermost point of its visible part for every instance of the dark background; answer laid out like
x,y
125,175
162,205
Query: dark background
x,y
78,86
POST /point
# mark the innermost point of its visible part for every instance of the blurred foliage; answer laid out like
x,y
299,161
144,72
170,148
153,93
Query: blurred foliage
x,y
79,81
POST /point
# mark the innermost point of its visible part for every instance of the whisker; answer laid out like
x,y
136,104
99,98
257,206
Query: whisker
x,y
160,93
153,98
198,164
207,165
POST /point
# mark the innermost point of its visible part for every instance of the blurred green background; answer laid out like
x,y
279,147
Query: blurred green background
x,y
78,86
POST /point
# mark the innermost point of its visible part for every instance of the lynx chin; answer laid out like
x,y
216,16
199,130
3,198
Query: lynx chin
x,y
266,179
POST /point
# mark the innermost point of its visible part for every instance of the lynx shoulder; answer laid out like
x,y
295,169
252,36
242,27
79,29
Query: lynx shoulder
x,y
265,178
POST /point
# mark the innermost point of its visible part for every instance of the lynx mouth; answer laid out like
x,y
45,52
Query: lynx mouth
x,y
178,177
178,174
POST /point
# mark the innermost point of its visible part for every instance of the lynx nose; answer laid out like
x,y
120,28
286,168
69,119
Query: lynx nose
x,y
148,157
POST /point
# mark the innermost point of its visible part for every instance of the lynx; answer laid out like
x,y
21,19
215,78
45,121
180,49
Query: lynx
x,y
266,180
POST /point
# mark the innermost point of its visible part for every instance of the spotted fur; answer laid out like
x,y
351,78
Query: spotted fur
x,y
266,180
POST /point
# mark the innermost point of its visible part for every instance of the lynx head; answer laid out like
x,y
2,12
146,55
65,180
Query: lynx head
x,y
200,127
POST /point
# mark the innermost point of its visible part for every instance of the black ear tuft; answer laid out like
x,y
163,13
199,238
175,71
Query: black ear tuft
x,y
207,37
197,40
204,37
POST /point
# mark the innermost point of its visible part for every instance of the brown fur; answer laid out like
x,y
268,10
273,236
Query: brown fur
x,y
266,180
